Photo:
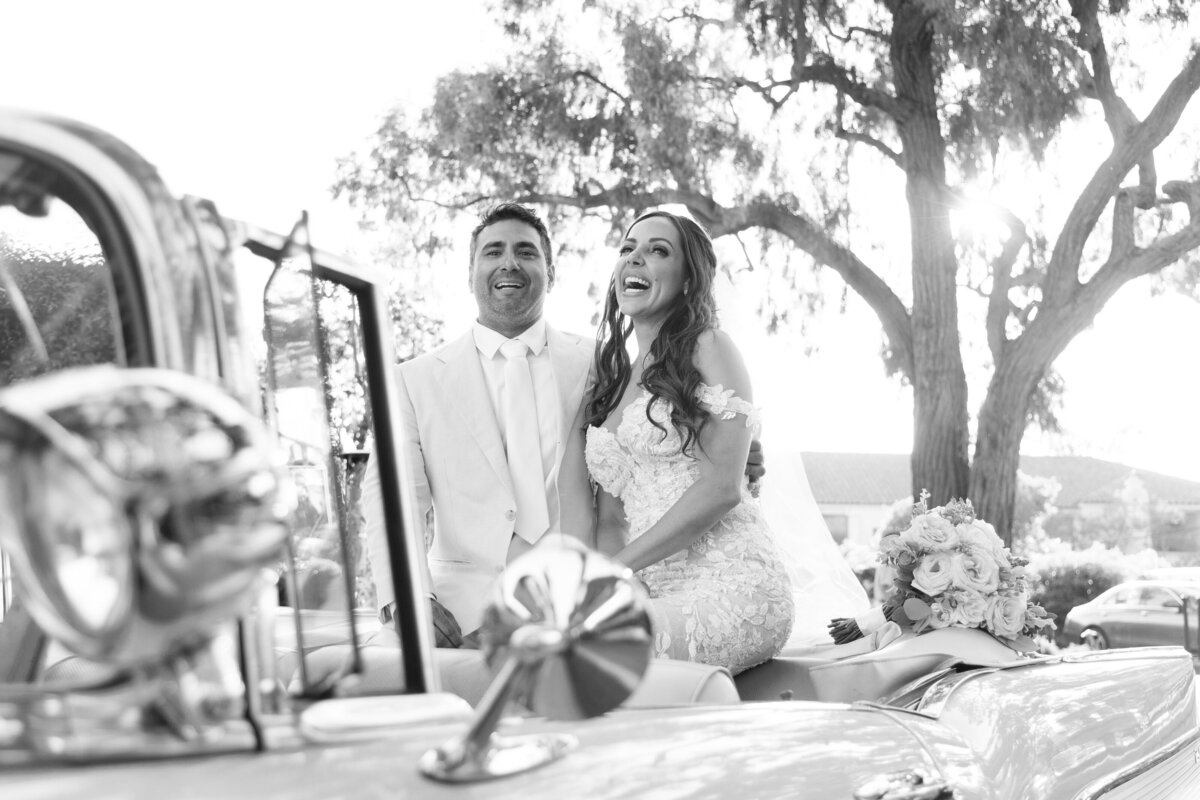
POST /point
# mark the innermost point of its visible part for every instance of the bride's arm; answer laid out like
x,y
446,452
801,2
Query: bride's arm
x,y
612,528
721,458
577,509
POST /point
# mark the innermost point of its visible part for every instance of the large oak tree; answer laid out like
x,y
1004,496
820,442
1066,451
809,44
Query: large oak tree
x,y
755,113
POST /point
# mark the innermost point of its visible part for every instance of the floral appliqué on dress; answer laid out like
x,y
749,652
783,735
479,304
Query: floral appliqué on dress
x,y
725,600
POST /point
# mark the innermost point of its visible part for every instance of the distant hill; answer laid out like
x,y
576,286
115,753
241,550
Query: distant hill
x,y
884,478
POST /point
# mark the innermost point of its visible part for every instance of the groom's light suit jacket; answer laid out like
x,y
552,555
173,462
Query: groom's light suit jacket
x,y
455,454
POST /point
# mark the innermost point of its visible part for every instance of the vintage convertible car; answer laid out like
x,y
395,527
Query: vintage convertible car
x,y
186,406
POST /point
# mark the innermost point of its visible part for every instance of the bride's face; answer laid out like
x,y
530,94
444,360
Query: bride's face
x,y
650,273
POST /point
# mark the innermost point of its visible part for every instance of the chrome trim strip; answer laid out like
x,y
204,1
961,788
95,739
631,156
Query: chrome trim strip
x,y
1127,654
1106,784
899,716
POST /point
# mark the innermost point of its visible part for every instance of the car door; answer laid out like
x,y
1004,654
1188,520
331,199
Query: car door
x,y
1158,619
1116,614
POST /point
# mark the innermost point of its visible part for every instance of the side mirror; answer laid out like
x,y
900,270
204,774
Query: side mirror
x,y
568,633
1175,604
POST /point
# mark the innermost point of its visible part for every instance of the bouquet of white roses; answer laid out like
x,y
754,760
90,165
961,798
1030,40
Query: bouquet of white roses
x,y
952,570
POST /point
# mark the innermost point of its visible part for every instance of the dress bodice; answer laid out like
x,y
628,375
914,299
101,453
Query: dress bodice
x,y
644,465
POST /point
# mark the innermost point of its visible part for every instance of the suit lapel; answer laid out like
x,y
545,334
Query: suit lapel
x,y
467,394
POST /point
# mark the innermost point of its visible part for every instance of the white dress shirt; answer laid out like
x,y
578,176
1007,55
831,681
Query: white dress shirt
x,y
545,391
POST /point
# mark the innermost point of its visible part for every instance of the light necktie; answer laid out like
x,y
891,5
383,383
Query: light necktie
x,y
523,442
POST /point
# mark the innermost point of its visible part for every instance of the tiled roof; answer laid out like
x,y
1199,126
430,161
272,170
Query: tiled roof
x,y
855,478
884,478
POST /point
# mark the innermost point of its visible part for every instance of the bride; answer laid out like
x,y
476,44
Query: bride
x,y
667,438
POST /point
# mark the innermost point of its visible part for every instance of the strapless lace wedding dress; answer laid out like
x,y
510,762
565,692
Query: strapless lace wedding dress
x,y
726,600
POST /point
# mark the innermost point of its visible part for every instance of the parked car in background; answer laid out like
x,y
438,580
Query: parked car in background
x,y
179,625
1137,613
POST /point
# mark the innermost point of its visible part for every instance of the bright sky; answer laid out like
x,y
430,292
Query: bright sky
x,y
250,103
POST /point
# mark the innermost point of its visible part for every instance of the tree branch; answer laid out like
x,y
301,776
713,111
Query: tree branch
x,y
824,70
592,78
764,90
803,232
1123,234
998,303
1001,268
1058,328
702,21
870,141
810,238
1117,113
846,37
1141,140
1127,261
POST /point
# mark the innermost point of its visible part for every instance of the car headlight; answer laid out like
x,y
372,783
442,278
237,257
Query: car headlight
x,y
138,507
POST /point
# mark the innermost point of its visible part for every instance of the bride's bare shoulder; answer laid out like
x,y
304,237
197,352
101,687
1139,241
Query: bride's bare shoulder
x,y
720,361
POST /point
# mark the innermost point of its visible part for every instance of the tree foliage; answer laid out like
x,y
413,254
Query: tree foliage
x,y
775,118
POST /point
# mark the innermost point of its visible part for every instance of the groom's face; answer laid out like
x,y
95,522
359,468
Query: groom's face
x,y
509,276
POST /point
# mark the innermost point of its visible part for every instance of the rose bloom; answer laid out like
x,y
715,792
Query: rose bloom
x,y
1005,615
905,560
975,569
890,546
930,532
933,575
895,552
966,607
982,535
939,616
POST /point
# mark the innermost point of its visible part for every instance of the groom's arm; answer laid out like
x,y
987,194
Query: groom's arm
x,y
446,630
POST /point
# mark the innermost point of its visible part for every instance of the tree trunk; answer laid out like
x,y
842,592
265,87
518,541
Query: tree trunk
x,y
1002,422
1003,417
940,432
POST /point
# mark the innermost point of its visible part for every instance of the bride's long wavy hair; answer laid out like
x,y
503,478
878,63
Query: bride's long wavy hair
x,y
671,374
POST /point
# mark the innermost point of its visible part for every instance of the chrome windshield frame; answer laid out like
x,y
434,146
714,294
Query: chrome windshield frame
x,y
416,644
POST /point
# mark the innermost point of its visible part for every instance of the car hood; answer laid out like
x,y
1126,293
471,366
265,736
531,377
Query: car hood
x,y
782,749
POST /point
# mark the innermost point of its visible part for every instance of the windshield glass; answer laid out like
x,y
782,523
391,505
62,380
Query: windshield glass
x,y
56,298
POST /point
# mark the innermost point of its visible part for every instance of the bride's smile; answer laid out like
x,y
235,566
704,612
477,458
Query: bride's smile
x,y
650,271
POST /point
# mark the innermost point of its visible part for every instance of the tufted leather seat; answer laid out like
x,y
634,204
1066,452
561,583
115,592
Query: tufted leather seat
x,y
464,672
461,672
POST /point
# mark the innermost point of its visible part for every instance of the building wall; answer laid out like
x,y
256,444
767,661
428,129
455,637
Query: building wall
x,y
852,522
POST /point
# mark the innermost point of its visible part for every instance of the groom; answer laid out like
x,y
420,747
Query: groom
x,y
458,421
456,416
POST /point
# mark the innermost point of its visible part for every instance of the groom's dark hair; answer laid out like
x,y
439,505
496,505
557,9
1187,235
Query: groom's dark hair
x,y
503,211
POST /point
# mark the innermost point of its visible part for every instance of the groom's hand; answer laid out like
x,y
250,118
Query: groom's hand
x,y
446,632
755,465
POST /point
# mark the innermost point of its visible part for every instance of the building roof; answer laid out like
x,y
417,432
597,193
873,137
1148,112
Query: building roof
x,y
871,479
884,478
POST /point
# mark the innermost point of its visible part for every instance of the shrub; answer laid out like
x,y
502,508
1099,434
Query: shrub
x,y
1062,580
